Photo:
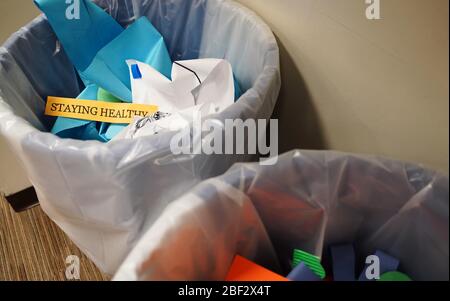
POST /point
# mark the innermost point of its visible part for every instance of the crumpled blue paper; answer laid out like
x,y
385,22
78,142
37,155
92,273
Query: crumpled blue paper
x,y
84,37
99,47
343,262
140,41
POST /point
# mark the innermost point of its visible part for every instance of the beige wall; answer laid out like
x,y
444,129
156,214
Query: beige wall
x,y
350,84
13,15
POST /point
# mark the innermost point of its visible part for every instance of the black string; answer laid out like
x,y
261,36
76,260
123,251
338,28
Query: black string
x,y
198,78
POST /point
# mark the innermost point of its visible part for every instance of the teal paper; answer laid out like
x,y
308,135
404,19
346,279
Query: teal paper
x,y
113,130
83,38
86,132
142,42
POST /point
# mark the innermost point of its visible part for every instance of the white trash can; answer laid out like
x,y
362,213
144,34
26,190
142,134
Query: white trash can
x,y
105,195
308,201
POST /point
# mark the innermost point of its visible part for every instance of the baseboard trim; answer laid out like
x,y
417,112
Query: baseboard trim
x,y
23,200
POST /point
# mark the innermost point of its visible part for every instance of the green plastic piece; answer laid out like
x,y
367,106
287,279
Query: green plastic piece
x,y
394,276
104,95
311,261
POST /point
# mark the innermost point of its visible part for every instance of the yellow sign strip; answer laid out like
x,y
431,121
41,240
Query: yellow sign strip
x,y
92,110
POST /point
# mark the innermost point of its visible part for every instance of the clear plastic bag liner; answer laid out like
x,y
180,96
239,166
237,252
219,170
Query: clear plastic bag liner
x,y
105,195
308,201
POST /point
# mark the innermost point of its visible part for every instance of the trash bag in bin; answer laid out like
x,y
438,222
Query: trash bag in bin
x,y
308,201
105,195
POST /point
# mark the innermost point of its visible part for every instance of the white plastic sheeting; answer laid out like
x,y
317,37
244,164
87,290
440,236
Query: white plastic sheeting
x,y
308,201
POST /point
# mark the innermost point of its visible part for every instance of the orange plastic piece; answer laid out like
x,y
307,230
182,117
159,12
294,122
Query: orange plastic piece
x,y
245,270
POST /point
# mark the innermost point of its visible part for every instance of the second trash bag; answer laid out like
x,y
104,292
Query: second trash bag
x,y
104,195
309,201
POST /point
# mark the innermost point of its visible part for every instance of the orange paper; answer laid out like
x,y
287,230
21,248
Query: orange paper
x,y
245,270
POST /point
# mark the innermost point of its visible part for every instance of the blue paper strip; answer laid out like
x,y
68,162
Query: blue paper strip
x,y
136,72
343,263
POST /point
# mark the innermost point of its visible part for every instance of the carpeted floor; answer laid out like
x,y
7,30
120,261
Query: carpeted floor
x,y
32,247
